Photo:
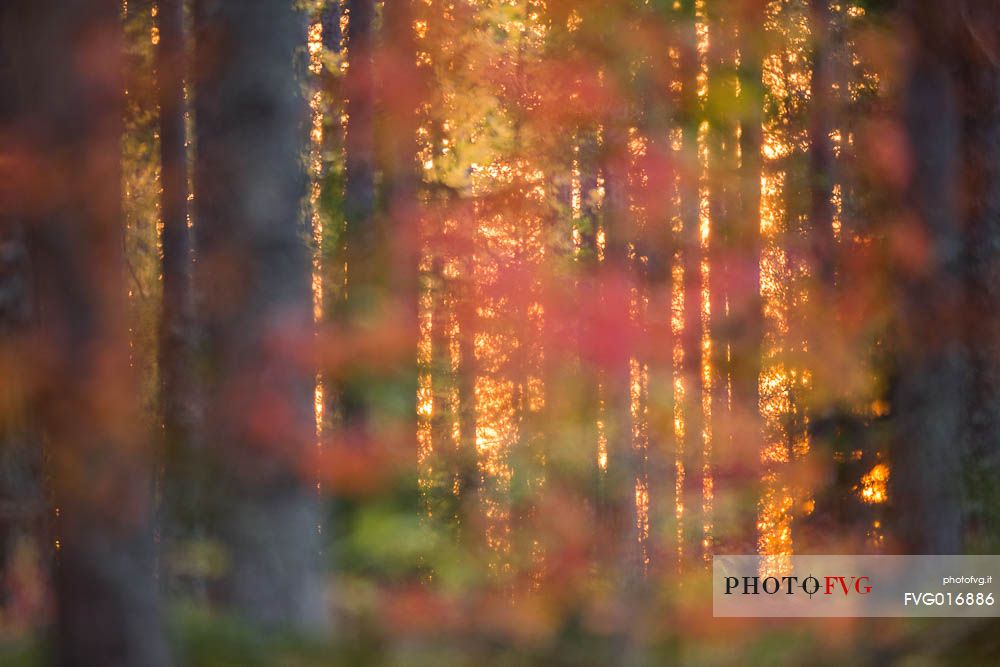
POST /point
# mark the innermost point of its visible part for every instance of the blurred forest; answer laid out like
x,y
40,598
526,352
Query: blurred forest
x,y
405,332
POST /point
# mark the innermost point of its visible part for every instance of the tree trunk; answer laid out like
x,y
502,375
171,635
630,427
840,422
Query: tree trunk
x,y
690,204
821,150
933,375
980,81
363,233
619,498
22,510
746,316
182,497
723,196
656,247
255,304
107,611
470,478
330,22
359,187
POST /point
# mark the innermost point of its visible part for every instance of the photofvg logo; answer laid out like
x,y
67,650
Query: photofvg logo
x,y
791,585
855,586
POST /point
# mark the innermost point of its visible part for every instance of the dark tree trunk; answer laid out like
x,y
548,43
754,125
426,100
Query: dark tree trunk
x,y
107,612
746,316
470,479
255,304
656,247
443,501
820,315
821,148
589,163
584,377
363,237
690,117
359,187
330,22
618,502
723,197
821,311
933,376
980,95
22,510
177,390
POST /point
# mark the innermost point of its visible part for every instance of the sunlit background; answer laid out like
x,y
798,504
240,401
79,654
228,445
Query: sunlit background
x,y
654,249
